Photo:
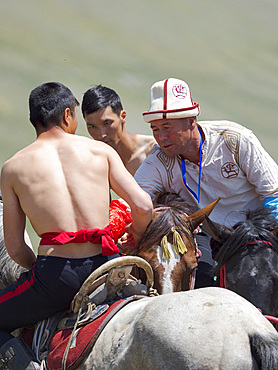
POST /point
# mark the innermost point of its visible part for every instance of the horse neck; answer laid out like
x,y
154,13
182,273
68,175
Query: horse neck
x,y
253,275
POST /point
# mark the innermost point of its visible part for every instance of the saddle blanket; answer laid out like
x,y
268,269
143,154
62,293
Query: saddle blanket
x,y
82,343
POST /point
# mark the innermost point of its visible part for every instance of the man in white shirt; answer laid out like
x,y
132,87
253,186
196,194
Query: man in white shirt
x,y
203,161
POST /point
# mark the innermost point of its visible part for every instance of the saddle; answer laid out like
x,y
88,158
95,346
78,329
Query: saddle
x,y
61,341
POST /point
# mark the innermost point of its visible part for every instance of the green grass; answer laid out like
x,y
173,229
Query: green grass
x,y
227,50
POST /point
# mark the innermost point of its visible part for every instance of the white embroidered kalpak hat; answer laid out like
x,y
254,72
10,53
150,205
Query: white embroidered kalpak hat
x,y
171,98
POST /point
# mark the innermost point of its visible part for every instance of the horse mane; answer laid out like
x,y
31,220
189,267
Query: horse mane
x,y
257,227
172,211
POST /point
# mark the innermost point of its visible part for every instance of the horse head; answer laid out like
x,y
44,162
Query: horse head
x,y
247,257
169,242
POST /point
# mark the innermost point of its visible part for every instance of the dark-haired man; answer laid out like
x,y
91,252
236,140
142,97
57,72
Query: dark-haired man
x,y
105,118
61,183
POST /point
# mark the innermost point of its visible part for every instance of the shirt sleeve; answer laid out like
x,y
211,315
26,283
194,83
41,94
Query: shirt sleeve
x,y
149,177
272,203
261,170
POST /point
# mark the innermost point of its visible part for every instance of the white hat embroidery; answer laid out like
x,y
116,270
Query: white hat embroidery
x,y
171,98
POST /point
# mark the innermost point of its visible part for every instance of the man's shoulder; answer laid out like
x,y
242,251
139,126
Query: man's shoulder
x,y
155,150
17,158
91,144
218,125
147,141
11,166
142,146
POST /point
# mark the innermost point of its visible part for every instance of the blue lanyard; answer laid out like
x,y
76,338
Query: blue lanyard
x,y
200,171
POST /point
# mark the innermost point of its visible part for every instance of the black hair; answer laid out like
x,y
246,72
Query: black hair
x,y
47,104
100,97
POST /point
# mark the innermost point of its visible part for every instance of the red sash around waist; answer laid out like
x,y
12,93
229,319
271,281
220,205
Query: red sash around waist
x,y
96,236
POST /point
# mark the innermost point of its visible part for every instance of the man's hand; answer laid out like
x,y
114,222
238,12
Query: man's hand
x,y
128,241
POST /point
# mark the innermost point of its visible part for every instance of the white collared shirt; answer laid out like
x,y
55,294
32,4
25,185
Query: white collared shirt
x,y
235,167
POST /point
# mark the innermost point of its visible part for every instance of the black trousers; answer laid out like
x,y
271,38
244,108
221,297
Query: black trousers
x,y
47,288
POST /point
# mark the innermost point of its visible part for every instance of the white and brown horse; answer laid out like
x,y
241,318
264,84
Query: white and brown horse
x,y
169,243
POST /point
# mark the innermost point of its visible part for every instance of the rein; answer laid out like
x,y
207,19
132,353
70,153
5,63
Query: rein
x,y
223,281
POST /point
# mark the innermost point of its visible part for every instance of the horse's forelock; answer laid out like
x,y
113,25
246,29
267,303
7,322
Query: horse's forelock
x,y
161,225
174,201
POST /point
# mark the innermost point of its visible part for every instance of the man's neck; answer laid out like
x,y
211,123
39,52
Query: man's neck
x,y
53,131
127,146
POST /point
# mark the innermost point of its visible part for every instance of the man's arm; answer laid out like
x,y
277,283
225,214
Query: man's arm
x,y
262,171
148,176
272,203
14,221
124,185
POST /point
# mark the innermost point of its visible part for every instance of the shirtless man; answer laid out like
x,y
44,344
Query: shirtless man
x,y
105,118
61,183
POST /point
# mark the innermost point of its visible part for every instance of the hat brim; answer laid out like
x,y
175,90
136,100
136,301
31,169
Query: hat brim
x,y
172,114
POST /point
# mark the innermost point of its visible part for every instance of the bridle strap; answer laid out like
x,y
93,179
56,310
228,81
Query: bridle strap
x,y
272,319
223,282
261,241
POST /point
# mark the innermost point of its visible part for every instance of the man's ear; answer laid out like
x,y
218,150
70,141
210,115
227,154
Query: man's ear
x,y
67,116
123,116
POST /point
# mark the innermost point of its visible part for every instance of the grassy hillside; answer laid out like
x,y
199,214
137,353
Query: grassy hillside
x,y
226,50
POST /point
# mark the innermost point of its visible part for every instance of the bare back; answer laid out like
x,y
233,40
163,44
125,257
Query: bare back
x,y
77,195
61,183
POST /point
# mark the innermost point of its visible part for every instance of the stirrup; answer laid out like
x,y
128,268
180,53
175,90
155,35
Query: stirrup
x,y
16,355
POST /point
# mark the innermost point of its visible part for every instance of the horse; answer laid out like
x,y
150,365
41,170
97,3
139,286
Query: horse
x,y
169,244
209,328
247,258
139,334
205,328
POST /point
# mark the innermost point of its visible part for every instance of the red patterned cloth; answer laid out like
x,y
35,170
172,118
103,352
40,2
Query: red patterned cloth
x,y
84,340
119,217
97,236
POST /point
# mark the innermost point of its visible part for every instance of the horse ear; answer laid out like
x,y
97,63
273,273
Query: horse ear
x,y
198,217
218,232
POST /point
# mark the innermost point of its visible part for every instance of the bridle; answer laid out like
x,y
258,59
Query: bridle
x,y
223,281
178,244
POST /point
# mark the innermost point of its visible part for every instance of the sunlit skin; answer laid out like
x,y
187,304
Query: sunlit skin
x,y
109,127
74,124
178,137
105,125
